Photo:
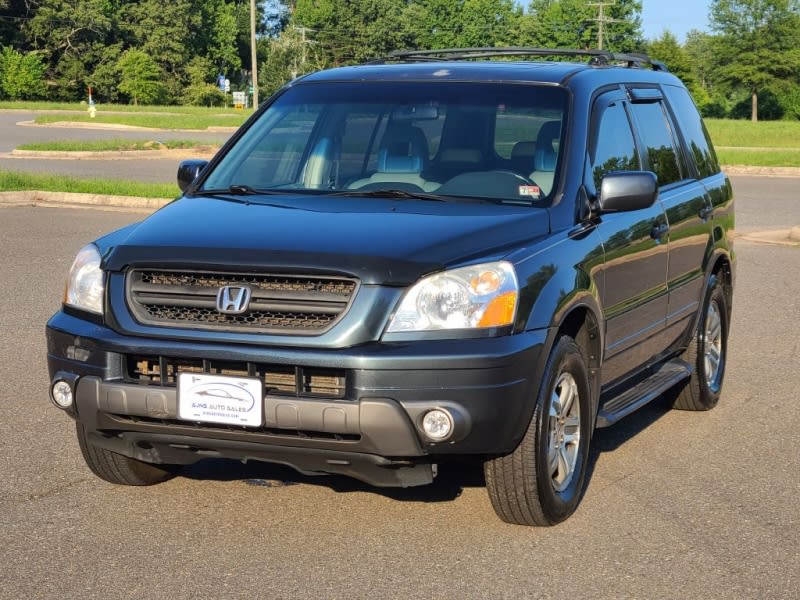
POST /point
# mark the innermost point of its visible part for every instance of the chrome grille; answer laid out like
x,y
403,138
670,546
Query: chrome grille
x,y
279,304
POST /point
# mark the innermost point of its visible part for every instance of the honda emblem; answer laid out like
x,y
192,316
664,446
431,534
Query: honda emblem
x,y
233,300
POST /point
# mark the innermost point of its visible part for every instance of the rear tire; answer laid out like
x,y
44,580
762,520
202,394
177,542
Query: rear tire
x,y
119,469
707,352
541,481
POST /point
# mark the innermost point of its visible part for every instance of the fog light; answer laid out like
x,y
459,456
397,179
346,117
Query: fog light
x,y
437,424
61,392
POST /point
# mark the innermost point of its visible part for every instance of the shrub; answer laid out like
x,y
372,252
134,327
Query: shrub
x,y
203,94
140,77
21,75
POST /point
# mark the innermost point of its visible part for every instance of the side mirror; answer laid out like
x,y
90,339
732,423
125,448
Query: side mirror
x,y
624,191
188,171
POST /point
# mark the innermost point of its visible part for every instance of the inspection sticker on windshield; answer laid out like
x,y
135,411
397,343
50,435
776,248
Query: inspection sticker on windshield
x,y
530,190
220,399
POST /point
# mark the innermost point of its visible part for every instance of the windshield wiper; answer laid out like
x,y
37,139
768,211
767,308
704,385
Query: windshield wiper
x,y
406,195
398,194
240,189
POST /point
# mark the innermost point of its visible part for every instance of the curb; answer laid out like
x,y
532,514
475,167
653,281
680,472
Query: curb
x,y
121,127
68,199
176,153
775,237
761,171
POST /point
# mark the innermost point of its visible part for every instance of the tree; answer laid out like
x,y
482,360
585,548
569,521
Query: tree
x,y
15,12
758,44
671,53
290,55
72,36
222,29
140,77
461,23
576,24
200,91
352,31
21,75
169,33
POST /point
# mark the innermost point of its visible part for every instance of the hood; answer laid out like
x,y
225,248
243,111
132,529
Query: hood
x,y
379,241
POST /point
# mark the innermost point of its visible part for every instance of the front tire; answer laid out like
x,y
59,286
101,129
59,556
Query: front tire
x,y
707,352
119,469
541,481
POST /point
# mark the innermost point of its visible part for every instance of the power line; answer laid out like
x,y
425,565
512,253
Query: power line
x,y
602,19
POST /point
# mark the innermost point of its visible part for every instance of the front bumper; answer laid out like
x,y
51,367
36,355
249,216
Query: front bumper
x,y
373,434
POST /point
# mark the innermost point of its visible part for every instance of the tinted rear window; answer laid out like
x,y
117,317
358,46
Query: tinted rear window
x,y
694,131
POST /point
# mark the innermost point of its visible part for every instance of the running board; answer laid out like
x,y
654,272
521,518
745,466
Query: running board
x,y
668,375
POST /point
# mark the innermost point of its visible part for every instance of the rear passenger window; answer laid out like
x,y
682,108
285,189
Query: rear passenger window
x,y
614,148
658,145
694,131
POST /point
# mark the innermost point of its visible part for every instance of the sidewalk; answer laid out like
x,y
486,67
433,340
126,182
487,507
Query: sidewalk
x,y
72,200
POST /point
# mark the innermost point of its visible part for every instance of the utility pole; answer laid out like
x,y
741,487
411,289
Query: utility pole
x,y
601,20
303,52
253,53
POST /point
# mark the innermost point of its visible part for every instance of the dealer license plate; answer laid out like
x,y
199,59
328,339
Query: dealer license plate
x,y
220,399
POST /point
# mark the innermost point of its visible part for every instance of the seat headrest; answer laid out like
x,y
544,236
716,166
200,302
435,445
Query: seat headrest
x,y
403,149
546,154
523,150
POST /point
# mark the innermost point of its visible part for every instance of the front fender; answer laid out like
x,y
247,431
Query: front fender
x,y
563,273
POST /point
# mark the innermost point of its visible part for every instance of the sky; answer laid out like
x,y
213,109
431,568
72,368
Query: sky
x,y
678,16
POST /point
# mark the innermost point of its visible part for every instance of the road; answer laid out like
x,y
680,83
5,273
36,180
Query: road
x,y
150,170
679,505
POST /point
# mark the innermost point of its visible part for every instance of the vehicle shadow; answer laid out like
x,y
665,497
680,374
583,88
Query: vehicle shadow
x,y
453,478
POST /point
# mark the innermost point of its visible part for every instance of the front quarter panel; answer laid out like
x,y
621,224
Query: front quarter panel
x,y
559,274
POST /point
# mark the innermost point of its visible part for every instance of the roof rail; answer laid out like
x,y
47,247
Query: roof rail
x,y
596,57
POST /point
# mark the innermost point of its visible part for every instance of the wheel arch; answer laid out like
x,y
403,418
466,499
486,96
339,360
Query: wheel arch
x,y
582,323
721,265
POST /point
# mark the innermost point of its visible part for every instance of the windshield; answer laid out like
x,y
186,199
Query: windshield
x,y
491,141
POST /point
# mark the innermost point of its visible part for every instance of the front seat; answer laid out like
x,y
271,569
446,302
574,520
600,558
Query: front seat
x,y
546,155
402,156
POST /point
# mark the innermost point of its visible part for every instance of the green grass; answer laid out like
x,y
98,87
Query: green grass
x,y
174,121
127,108
110,145
788,157
762,134
11,181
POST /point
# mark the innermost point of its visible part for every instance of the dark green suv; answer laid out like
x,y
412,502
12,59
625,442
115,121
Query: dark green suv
x,y
438,255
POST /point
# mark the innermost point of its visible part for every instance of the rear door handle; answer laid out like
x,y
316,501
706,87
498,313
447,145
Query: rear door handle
x,y
706,212
659,230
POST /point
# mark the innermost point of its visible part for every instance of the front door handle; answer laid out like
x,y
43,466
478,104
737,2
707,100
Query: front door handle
x,y
659,230
706,212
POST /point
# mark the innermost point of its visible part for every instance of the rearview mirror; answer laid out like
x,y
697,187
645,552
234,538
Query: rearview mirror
x,y
623,191
188,171
415,112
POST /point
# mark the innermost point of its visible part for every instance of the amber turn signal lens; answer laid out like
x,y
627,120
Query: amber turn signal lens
x,y
500,311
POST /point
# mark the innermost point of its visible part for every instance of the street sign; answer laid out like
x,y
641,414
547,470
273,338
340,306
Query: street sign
x,y
239,99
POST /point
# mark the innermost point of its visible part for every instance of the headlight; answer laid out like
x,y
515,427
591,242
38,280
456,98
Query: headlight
x,y
473,297
85,286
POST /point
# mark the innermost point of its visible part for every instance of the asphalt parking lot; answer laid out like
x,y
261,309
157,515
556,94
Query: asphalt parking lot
x,y
679,505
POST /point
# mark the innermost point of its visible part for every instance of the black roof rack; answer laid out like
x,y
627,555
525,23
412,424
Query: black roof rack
x,y
596,57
